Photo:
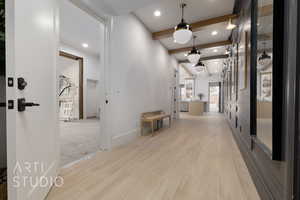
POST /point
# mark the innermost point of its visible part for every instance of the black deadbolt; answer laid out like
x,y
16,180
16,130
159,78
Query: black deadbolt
x,y
10,82
22,104
10,104
21,83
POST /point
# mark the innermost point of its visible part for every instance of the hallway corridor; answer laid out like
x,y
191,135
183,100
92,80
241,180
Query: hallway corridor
x,y
195,159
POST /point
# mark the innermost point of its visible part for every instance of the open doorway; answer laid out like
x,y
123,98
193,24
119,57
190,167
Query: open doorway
x,y
214,97
79,67
70,87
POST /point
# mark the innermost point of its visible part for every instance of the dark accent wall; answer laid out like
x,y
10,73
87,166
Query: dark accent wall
x,y
272,178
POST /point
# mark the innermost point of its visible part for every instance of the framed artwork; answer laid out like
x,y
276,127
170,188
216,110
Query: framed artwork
x,y
266,86
243,61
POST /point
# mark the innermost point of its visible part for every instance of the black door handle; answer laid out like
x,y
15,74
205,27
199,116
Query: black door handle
x,y
21,83
2,104
22,104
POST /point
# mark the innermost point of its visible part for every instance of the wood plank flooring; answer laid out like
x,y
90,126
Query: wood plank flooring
x,y
196,159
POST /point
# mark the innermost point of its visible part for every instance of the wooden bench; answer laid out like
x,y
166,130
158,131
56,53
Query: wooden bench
x,y
152,117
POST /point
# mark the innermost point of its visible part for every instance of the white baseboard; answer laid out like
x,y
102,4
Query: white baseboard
x,y
125,138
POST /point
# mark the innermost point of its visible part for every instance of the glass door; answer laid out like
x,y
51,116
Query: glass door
x,y
214,97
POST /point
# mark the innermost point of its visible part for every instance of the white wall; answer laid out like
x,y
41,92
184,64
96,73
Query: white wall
x,y
141,74
92,99
202,83
183,75
91,70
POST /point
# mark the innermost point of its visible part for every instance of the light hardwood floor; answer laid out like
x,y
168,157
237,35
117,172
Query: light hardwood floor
x,y
196,159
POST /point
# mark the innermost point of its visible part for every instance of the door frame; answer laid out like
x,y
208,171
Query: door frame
x,y
105,84
296,185
291,98
214,84
81,66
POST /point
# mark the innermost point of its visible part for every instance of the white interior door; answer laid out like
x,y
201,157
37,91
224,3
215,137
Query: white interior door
x,y
33,150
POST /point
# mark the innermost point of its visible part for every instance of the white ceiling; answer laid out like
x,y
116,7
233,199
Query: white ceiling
x,y
203,36
204,53
196,10
105,8
77,27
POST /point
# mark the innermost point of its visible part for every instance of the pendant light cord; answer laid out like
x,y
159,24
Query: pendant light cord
x,y
264,46
182,5
194,38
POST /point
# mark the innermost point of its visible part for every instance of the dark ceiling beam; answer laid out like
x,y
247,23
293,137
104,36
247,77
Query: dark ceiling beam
x,y
195,26
201,46
223,56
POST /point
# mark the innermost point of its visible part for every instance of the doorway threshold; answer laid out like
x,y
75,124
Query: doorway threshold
x,y
87,157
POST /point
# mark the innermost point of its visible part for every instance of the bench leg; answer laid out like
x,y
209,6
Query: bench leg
x,y
142,127
152,127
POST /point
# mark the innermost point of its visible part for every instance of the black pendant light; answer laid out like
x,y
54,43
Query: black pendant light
x,y
200,64
194,55
264,59
200,67
183,32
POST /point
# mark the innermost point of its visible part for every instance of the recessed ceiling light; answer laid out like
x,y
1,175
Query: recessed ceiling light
x,y
185,54
157,13
215,50
214,33
85,45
